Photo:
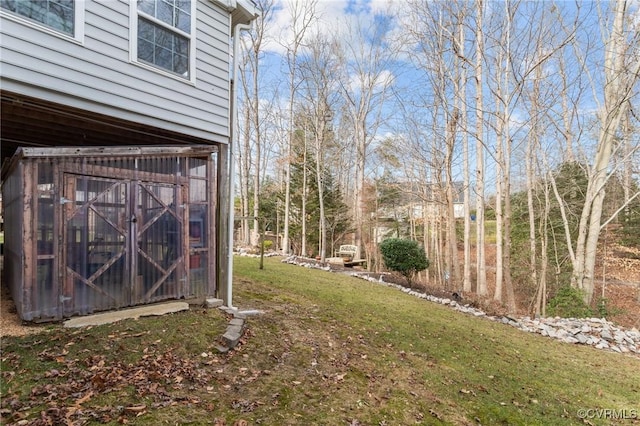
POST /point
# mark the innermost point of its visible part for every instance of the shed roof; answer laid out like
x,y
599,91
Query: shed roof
x,y
104,152
116,151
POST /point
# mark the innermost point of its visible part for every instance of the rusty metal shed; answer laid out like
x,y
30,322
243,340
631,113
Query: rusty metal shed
x,y
100,228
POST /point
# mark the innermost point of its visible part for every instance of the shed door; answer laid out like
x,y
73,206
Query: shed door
x,y
157,230
123,243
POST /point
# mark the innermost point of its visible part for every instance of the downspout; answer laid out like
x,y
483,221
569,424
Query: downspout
x,y
232,169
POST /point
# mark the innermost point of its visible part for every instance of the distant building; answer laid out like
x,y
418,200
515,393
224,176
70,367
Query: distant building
x,y
412,207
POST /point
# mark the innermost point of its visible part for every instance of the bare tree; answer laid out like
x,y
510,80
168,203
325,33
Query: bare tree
x,y
244,150
481,268
462,105
303,14
621,74
365,87
319,71
251,151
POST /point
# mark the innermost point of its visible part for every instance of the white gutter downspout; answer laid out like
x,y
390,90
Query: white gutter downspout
x,y
232,169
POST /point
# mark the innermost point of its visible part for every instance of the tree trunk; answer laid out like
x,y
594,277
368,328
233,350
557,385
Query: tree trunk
x,y
303,14
245,171
481,268
258,159
619,82
532,145
303,215
319,171
453,266
466,183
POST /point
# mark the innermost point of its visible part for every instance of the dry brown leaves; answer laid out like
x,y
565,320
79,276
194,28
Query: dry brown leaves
x,y
157,379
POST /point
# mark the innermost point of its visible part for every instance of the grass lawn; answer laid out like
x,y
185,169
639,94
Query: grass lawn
x,y
329,350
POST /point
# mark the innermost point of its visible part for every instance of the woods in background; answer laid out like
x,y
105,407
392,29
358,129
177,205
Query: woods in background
x,y
460,125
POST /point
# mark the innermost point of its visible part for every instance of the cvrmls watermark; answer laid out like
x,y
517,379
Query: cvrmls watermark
x,y
609,413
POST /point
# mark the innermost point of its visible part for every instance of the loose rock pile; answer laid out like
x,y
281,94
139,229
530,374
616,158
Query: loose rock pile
x,y
596,332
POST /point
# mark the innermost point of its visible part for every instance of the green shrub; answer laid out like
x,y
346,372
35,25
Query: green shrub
x,y
267,244
404,256
568,303
605,309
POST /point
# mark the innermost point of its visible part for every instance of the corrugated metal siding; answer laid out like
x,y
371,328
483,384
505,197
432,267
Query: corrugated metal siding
x,y
93,233
13,200
46,291
97,75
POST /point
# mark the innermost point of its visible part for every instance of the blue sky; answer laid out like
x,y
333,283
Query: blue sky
x,y
338,16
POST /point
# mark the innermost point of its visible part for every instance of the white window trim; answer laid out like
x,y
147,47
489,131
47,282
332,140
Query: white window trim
x,y
133,42
78,25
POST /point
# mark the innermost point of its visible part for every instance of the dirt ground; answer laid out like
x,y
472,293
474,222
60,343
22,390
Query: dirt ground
x,y
620,273
10,324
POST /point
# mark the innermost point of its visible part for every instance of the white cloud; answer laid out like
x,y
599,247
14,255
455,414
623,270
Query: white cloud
x,y
280,30
381,81
333,17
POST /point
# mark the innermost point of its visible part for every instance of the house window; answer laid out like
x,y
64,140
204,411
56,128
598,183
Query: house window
x,y
58,15
164,35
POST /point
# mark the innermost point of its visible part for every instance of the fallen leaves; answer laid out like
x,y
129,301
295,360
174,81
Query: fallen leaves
x,y
339,377
468,392
136,409
72,386
245,406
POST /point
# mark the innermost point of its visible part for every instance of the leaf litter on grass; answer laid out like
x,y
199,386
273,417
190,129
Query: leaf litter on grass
x,y
326,351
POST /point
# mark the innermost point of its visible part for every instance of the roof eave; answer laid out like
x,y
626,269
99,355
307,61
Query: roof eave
x,y
245,13
242,11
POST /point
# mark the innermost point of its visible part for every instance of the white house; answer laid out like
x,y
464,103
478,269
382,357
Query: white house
x,y
115,135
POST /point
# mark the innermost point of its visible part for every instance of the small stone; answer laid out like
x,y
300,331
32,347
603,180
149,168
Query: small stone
x,y
222,349
231,339
619,336
582,338
606,335
214,303
237,321
235,329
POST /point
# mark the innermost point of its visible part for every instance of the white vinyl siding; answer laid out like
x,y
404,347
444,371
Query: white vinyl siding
x,y
59,17
100,77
